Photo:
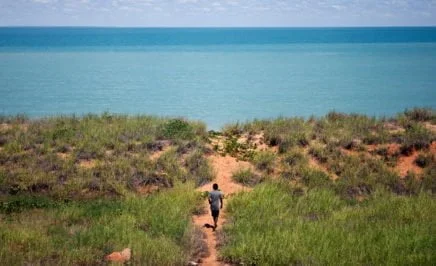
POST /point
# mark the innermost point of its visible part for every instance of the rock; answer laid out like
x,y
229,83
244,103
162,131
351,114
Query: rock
x,y
192,263
122,256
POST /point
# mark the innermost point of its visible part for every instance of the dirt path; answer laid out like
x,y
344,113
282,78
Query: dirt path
x,y
224,168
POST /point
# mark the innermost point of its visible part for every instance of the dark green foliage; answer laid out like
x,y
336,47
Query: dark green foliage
x,y
25,202
177,129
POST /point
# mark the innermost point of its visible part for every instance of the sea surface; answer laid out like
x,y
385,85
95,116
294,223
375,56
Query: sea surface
x,y
217,75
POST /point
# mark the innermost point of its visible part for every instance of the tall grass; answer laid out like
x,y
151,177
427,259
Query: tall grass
x,y
157,229
274,226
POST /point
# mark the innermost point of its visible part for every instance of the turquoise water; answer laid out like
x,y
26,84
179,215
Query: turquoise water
x,y
216,75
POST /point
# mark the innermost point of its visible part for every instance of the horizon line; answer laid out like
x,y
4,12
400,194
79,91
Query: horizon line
x,y
212,27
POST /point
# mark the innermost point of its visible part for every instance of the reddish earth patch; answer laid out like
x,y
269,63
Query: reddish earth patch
x,y
433,147
393,148
318,166
224,168
120,257
407,163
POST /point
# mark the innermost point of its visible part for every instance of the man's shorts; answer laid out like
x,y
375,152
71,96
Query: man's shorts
x,y
215,213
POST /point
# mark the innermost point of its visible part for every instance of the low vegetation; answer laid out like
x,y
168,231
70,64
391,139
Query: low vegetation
x,y
338,189
339,192
278,225
42,231
74,189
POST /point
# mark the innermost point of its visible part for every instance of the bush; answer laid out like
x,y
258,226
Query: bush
x,y
247,177
199,168
420,114
313,178
416,137
294,158
264,161
177,129
424,160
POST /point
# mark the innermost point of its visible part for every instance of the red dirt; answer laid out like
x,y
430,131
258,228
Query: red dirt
x,y
433,147
317,165
407,163
120,257
224,168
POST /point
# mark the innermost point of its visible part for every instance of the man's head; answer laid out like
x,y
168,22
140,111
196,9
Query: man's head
x,y
215,186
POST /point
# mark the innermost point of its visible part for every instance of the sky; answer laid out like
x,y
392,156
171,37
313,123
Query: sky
x,y
218,13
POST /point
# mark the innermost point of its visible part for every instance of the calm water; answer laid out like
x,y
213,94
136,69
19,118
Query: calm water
x,y
216,75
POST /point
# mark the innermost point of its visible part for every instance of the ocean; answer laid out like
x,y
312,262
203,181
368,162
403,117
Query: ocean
x,y
217,75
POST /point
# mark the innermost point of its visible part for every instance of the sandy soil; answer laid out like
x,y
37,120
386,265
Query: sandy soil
x,y
87,164
224,168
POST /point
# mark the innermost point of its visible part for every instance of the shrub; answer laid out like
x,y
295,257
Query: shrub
x,y
420,114
177,129
199,168
264,160
247,177
294,158
424,160
416,137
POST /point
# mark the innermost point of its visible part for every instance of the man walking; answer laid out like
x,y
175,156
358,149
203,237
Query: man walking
x,y
216,203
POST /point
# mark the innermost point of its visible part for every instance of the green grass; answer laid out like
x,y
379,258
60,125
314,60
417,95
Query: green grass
x,y
119,146
272,225
247,177
53,210
157,229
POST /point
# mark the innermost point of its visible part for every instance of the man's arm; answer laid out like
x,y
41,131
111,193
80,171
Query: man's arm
x,y
221,200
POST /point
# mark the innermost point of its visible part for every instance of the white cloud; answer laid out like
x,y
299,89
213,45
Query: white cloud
x,y
187,1
44,1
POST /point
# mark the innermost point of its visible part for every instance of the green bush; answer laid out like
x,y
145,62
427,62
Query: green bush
x,y
177,129
247,177
264,160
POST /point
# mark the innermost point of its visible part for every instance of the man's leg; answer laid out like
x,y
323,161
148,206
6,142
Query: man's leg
x,y
215,222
